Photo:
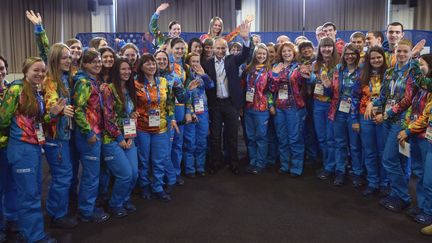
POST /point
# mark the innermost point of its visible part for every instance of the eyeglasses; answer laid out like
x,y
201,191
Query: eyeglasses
x,y
350,54
95,62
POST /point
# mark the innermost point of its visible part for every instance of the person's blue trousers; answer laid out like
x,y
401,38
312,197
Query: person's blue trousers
x,y
289,129
152,148
427,181
324,133
273,150
170,171
25,160
123,166
394,162
344,135
90,162
177,145
8,191
195,144
58,156
256,131
371,136
310,138
419,148
75,168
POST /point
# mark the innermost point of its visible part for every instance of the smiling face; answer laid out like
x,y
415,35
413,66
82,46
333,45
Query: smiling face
x,y
65,60
107,59
162,61
131,55
394,34
194,61
219,48
3,70
358,43
125,71
36,73
261,55
424,67
371,40
175,30
149,68
307,51
102,43
287,54
376,59
349,56
178,50
217,27
403,53
76,51
330,32
196,47
326,51
94,67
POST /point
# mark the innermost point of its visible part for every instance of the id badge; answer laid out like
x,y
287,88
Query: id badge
x,y
283,93
154,118
40,133
345,105
199,106
429,132
250,95
319,89
129,128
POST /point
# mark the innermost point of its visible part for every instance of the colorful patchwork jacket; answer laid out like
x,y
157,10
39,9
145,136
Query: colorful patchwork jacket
x,y
230,37
114,113
398,88
160,99
42,42
417,116
289,79
3,132
57,127
159,36
20,126
315,79
346,86
259,79
370,92
182,71
87,103
199,93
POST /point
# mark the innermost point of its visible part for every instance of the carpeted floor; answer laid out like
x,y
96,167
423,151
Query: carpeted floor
x,y
245,208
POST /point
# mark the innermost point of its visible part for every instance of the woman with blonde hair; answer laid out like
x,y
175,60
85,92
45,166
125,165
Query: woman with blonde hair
x,y
216,28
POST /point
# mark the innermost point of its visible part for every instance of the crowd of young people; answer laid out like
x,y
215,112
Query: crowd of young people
x,y
132,119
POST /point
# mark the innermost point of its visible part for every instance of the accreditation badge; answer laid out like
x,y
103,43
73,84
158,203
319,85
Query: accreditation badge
x,y
345,105
319,89
40,133
199,106
129,128
154,118
250,95
283,93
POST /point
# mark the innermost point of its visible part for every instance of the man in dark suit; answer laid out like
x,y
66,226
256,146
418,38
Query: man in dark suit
x,y
225,100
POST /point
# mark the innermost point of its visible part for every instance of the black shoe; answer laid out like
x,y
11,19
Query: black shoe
x,y
190,175
201,174
413,212
163,196
370,191
324,174
169,189
130,208
180,181
117,212
99,216
64,222
235,169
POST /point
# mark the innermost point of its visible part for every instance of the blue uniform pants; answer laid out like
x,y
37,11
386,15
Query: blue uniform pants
x,y
152,148
273,149
344,135
324,133
8,191
90,162
171,173
256,131
195,144
289,129
58,156
419,147
123,165
177,145
25,160
427,181
373,145
394,162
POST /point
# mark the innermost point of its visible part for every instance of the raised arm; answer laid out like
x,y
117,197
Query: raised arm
x,y
41,36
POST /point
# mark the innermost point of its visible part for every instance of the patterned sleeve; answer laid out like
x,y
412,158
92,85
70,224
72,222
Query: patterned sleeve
x,y
170,103
42,42
109,114
208,82
50,98
81,97
382,99
155,31
9,106
203,37
420,125
356,95
232,35
405,103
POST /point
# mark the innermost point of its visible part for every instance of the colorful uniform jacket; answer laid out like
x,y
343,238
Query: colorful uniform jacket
x,y
177,90
370,92
198,96
155,99
159,36
288,88
21,127
182,71
417,116
87,103
42,42
3,132
346,88
60,126
397,91
257,83
320,93
230,37
114,113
